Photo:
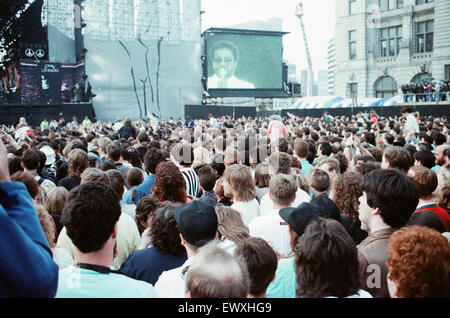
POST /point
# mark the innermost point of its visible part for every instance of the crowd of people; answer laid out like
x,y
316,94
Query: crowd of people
x,y
426,92
277,207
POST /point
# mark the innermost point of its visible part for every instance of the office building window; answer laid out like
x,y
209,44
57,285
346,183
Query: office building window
x,y
351,6
352,44
385,87
390,40
423,1
386,5
447,72
424,36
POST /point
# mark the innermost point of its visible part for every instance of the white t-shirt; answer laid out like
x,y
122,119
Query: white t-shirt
x,y
274,230
171,284
266,204
248,210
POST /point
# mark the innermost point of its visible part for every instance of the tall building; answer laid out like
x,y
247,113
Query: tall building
x,y
322,83
331,57
382,44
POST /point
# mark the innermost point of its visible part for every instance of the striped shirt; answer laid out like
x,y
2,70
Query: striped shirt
x,y
192,181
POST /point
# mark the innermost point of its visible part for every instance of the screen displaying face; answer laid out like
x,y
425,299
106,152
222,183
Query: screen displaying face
x,y
244,61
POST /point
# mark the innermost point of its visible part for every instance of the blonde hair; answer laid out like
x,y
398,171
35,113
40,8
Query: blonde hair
x,y
55,200
282,189
230,224
239,177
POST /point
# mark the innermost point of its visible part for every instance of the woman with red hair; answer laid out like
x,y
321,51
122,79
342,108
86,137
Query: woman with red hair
x,y
169,184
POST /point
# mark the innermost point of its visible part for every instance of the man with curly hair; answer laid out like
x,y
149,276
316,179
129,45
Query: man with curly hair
x,y
389,198
415,269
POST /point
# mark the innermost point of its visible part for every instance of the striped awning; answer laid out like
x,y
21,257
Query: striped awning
x,y
324,102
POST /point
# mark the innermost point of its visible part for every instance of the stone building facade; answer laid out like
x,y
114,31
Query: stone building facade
x,y
382,44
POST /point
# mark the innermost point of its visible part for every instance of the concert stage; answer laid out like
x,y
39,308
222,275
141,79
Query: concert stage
x,y
35,113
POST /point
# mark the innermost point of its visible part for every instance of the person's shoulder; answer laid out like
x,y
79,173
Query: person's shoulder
x,y
137,288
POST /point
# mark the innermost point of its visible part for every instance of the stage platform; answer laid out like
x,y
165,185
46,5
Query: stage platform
x,y
35,113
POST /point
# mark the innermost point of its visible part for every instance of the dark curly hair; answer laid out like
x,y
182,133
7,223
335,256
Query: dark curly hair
x,y
145,207
90,213
346,190
169,183
326,260
164,230
417,270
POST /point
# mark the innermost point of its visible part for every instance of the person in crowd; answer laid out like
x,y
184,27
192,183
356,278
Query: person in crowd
x,y
425,158
238,184
429,219
262,179
271,227
330,166
197,223
388,201
427,181
32,272
127,240
261,262
91,274
326,260
415,269
320,182
169,184
281,163
152,158
54,204
231,230
411,128
145,210
127,130
397,157
183,155
165,252
285,285
77,163
134,178
220,193
30,164
117,182
60,256
215,273
345,192
207,178
114,153
442,158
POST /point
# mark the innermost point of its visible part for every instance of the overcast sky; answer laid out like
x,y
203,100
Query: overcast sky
x,y
319,19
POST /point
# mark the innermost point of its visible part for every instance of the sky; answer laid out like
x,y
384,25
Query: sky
x,y
319,20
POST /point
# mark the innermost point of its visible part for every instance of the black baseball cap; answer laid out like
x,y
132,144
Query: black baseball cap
x,y
299,218
197,222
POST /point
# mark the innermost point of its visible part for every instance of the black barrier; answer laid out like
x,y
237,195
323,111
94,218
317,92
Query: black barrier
x,y
435,110
202,112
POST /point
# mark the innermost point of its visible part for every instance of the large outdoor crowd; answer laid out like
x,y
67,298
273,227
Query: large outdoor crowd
x,y
278,207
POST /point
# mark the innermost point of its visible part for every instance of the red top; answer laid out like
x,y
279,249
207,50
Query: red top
x,y
438,211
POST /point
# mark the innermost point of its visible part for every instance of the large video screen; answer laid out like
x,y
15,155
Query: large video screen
x,y
244,61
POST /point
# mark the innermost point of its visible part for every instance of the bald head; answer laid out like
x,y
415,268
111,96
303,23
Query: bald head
x,y
214,273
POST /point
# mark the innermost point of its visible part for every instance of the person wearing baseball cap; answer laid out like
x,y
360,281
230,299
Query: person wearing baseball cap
x,y
197,223
297,219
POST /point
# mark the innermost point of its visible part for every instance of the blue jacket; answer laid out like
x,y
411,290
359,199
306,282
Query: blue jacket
x,y
27,268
